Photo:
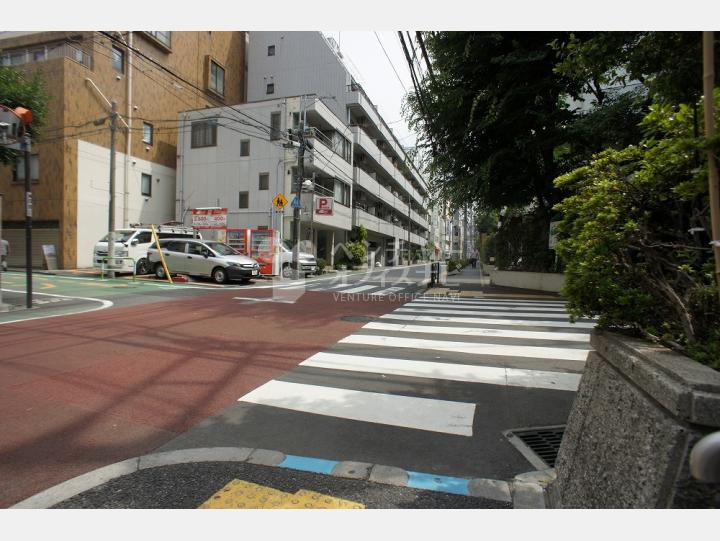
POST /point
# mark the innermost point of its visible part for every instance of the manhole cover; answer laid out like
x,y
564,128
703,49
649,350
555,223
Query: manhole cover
x,y
358,319
539,445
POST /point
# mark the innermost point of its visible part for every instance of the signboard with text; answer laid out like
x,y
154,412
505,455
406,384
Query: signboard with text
x,y
214,218
324,206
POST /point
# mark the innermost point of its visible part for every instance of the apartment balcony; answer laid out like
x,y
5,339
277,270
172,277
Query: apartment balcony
x,y
373,187
42,53
376,224
422,222
323,158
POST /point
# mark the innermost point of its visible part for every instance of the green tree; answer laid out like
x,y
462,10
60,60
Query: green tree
x,y
491,117
20,90
634,236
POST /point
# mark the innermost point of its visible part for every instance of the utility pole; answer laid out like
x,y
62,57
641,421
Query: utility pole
x,y
714,183
296,207
111,213
28,222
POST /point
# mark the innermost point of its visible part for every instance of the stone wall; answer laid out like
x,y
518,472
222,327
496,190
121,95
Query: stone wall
x,y
540,281
639,411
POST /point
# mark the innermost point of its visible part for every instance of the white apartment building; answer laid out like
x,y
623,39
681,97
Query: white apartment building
x,y
388,194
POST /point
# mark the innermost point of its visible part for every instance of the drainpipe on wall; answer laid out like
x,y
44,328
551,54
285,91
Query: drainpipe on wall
x,y
128,137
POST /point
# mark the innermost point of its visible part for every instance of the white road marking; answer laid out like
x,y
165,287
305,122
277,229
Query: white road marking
x,y
489,321
533,352
461,301
388,291
474,331
488,306
417,309
103,304
357,289
491,375
394,410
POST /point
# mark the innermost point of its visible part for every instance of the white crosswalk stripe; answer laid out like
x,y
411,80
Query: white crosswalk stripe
x,y
491,342
490,321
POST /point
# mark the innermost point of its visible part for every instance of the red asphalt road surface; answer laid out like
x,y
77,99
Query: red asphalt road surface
x,y
84,391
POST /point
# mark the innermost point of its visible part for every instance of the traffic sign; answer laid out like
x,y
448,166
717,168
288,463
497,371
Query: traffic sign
x,y
296,204
280,201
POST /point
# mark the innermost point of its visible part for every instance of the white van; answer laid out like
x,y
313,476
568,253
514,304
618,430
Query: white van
x,y
308,263
131,246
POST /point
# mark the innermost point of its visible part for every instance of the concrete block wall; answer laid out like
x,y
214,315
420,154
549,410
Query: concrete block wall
x,y
638,413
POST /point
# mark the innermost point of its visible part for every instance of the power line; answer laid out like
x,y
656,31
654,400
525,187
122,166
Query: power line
x,y
391,62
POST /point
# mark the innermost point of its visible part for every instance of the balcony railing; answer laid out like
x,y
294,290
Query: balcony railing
x,y
47,52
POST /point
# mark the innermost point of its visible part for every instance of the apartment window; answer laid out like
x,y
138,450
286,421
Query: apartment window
x,y
146,184
39,55
203,133
118,59
245,147
271,50
346,149
162,37
244,200
275,132
147,133
295,120
264,181
217,78
19,171
270,88
342,193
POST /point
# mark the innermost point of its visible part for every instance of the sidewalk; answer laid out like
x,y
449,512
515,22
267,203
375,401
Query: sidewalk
x,y
472,283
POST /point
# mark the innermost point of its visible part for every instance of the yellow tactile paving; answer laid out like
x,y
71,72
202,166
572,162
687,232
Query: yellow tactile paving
x,y
307,499
239,494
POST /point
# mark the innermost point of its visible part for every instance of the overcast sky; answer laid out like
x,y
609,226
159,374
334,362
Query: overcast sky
x,y
366,60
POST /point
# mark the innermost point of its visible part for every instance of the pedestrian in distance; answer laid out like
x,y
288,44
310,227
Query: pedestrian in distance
x,y
474,259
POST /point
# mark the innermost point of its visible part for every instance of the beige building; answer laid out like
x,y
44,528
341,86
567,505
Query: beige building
x,y
151,76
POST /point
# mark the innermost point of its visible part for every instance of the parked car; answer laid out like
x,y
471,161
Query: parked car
x,y
131,245
193,257
308,264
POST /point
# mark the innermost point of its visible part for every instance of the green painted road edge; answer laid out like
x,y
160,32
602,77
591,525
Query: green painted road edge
x,y
524,492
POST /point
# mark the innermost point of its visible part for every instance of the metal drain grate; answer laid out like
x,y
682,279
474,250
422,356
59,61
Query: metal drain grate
x,y
539,445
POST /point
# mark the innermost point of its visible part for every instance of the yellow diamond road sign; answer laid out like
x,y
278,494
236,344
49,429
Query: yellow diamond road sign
x,y
280,201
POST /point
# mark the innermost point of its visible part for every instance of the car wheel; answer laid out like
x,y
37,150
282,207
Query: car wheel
x,y
287,271
160,271
142,267
219,275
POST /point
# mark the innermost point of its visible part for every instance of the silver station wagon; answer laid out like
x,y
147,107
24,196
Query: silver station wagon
x,y
215,260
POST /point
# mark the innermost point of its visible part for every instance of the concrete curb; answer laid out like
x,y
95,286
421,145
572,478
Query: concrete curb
x,y
525,495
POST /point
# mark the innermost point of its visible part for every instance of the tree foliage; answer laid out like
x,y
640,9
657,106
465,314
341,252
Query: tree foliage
x,y
20,90
492,115
631,257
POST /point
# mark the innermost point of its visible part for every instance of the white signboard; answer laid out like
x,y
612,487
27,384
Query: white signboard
x,y
215,218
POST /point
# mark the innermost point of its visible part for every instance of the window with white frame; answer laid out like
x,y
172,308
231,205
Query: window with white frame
x,y
342,193
203,133
217,78
146,184
147,133
264,181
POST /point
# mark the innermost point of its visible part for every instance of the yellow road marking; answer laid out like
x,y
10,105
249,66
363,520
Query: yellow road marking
x,y
239,494
47,285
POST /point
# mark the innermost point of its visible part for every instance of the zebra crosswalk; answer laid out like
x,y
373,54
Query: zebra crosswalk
x,y
362,289
433,368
